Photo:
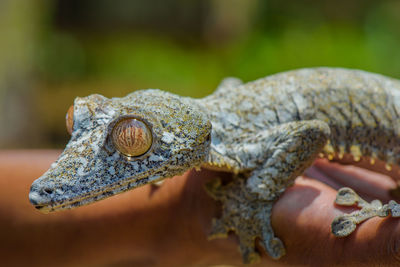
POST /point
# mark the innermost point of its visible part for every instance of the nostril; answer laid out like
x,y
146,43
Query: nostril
x,y
48,190
41,196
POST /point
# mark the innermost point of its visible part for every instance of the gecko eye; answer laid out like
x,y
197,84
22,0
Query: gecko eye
x,y
69,119
132,137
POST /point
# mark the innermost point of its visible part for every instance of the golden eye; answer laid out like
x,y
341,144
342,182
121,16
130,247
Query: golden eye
x,y
132,137
69,119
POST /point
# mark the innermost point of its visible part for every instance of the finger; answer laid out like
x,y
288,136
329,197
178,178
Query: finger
x,y
370,185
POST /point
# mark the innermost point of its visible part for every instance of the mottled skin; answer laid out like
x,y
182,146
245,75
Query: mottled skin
x,y
345,224
266,132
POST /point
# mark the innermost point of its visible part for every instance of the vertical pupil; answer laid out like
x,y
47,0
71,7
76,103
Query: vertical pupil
x,y
132,137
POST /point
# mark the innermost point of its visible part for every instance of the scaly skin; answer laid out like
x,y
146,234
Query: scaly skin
x,y
266,132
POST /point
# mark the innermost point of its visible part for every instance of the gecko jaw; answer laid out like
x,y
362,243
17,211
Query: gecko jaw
x,y
47,196
90,197
42,196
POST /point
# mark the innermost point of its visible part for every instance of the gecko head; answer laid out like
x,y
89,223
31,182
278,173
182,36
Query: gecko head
x,y
122,143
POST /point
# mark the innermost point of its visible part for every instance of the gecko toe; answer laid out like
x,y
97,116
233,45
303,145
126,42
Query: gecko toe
x,y
275,248
343,226
346,197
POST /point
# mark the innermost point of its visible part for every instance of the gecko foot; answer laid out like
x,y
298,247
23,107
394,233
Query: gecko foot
x,y
246,215
345,224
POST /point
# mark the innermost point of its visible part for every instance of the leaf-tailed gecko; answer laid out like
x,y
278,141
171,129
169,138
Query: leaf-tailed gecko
x,y
266,132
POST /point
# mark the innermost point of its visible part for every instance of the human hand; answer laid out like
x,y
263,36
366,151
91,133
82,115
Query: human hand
x,y
168,226
303,215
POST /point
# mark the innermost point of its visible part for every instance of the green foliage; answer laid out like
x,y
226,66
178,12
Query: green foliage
x,y
150,62
76,62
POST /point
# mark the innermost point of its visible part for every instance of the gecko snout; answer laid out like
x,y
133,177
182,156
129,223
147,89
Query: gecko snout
x,y
40,196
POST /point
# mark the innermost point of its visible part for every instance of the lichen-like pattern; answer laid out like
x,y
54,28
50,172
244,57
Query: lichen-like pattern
x,y
345,224
91,168
266,132
255,222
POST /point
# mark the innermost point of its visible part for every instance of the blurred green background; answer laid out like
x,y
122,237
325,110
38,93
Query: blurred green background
x,y
53,51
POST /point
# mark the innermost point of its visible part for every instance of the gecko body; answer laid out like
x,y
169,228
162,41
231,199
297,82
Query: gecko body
x,y
265,132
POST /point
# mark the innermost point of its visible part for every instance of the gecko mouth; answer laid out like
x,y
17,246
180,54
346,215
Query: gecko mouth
x,y
90,197
86,199
93,196
39,207
50,194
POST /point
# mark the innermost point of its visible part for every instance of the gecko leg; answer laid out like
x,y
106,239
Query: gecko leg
x,y
290,149
345,224
286,150
245,215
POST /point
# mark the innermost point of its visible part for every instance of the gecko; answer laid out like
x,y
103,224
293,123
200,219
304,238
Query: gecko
x,y
265,132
